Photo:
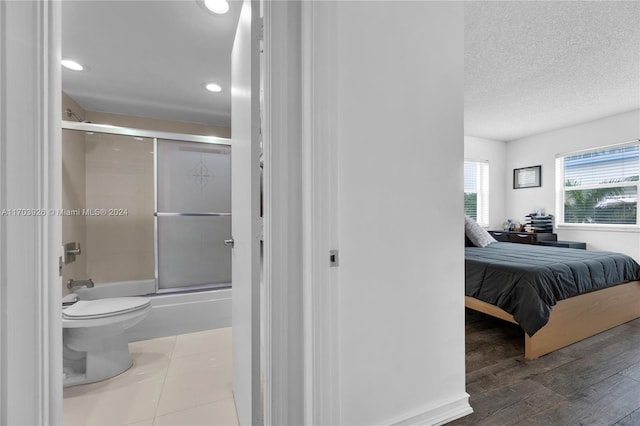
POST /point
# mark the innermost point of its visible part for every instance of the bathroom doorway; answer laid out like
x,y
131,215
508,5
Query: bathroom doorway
x,y
155,88
35,350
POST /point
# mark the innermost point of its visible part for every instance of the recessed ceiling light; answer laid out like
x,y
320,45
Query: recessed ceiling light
x,y
212,87
217,6
71,64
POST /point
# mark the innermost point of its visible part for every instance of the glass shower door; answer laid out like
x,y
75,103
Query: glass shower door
x,y
193,215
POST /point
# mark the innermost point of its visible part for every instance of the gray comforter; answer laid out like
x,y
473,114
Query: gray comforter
x,y
527,280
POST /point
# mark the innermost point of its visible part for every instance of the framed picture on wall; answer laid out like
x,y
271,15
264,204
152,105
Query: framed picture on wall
x,y
527,177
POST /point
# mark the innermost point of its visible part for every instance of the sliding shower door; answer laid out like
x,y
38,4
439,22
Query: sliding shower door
x,y
193,215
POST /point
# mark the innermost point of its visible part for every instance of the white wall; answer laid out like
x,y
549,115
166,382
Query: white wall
x,y
30,175
399,100
543,148
495,152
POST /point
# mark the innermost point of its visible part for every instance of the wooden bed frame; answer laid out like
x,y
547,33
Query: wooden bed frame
x,y
575,318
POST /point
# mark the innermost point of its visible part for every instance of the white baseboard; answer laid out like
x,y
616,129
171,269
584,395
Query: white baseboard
x,y
437,414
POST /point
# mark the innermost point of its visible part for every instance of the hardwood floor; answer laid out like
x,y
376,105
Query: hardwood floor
x,y
592,382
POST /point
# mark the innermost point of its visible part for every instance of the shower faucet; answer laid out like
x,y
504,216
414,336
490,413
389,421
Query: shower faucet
x,y
71,283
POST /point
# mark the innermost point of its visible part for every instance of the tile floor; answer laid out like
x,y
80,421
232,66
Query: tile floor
x,y
177,380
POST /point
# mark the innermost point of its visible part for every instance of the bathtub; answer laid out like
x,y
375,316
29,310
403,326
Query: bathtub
x,y
174,313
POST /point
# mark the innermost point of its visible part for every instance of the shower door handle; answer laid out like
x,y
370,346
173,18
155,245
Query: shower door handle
x,y
229,243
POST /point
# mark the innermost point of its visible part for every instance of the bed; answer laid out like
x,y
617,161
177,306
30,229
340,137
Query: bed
x,y
557,295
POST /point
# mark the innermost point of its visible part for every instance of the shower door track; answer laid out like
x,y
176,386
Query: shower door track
x,y
128,131
193,289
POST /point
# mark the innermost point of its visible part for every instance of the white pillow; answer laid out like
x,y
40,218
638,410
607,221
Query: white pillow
x,y
476,233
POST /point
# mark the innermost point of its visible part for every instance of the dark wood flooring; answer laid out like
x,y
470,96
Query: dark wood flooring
x,y
593,382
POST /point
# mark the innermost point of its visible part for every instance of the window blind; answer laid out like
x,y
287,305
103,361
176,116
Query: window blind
x,y
476,191
601,186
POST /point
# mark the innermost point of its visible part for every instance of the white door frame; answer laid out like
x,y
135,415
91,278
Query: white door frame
x,y
320,212
283,327
30,179
300,181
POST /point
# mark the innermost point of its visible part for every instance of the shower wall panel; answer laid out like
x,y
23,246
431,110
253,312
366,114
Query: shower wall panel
x,y
119,189
192,252
74,228
193,209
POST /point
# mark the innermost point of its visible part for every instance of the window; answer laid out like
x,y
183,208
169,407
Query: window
x,y
476,191
600,186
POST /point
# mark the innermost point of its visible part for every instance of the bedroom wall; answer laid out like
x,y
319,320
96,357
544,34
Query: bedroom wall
x,y
542,149
401,300
495,152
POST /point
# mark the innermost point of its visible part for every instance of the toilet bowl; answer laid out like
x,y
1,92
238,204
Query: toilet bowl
x,y
94,345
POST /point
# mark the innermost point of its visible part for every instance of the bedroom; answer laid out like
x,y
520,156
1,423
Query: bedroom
x,y
549,98
568,83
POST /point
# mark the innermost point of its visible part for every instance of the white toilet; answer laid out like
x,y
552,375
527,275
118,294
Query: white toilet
x,y
95,347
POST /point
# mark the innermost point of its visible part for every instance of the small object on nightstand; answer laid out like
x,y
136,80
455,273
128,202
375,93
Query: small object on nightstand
x,y
540,223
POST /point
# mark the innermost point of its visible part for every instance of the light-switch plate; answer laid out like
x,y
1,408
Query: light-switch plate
x,y
333,258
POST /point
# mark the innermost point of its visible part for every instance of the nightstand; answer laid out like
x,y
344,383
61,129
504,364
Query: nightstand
x,y
523,237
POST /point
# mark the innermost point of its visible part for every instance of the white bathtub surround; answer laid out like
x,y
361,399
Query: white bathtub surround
x,y
117,289
174,380
170,314
184,313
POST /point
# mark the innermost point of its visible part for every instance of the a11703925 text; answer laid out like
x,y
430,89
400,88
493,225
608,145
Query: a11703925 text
x,y
34,212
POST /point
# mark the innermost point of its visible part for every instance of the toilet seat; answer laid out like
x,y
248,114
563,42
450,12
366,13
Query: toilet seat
x,y
102,308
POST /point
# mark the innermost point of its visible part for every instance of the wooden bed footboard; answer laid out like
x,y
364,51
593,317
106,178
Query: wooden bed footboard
x,y
575,318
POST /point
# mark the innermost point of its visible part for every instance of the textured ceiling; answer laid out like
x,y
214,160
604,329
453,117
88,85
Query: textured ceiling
x,y
535,66
530,66
149,58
